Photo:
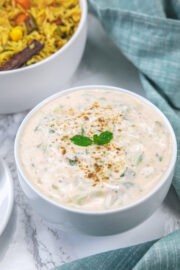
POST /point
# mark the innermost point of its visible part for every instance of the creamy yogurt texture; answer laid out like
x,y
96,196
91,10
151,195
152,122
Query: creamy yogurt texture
x,y
95,177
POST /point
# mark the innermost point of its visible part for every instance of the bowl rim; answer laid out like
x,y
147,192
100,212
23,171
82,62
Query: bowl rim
x,y
157,187
84,8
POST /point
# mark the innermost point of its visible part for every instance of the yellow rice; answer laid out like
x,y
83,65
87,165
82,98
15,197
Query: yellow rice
x,y
44,13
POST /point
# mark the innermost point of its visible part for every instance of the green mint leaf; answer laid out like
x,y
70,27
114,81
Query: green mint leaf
x,y
104,138
51,131
81,140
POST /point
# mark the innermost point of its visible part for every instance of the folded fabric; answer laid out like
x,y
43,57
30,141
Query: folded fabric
x,y
150,39
160,255
148,34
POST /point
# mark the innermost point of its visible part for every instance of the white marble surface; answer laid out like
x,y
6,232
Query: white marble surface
x,y
28,243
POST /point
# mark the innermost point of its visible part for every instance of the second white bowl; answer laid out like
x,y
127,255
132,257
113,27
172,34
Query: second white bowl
x,y
23,88
96,222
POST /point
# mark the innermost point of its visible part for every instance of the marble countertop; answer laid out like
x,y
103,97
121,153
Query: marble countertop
x,y
28,243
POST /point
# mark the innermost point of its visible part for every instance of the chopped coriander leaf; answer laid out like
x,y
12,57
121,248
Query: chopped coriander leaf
x,y
104,138
51,131
42,147
128,172
82,131
81,140
58,109
158,123
72,162
140,159
55,187
81,199
36,129
160,158
128,184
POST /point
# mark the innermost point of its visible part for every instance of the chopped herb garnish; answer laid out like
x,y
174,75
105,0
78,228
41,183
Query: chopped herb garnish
x,y
128,172
104,138
72,162
140,159
51,131
58,109
128,184
158,123
55,187
81,140
43,147
36,128
82,131
81,199
39,180
160,158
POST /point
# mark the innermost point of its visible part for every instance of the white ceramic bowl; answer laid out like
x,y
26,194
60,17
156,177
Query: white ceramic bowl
x,y
96,222
23,88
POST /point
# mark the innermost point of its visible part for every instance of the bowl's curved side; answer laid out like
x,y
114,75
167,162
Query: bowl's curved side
x,y
103,224
23,88
114,221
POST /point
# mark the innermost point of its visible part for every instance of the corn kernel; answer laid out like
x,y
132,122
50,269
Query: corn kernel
x,y
16,33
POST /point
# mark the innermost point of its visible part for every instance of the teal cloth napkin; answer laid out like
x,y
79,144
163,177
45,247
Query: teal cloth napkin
x,y
148,34
154,255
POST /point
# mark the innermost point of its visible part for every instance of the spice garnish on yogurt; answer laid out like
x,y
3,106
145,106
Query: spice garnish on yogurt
x,y
95,149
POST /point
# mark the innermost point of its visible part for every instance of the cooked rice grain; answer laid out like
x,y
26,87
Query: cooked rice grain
x,y
50,34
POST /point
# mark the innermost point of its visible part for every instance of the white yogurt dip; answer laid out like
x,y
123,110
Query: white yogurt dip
x,y
104,171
